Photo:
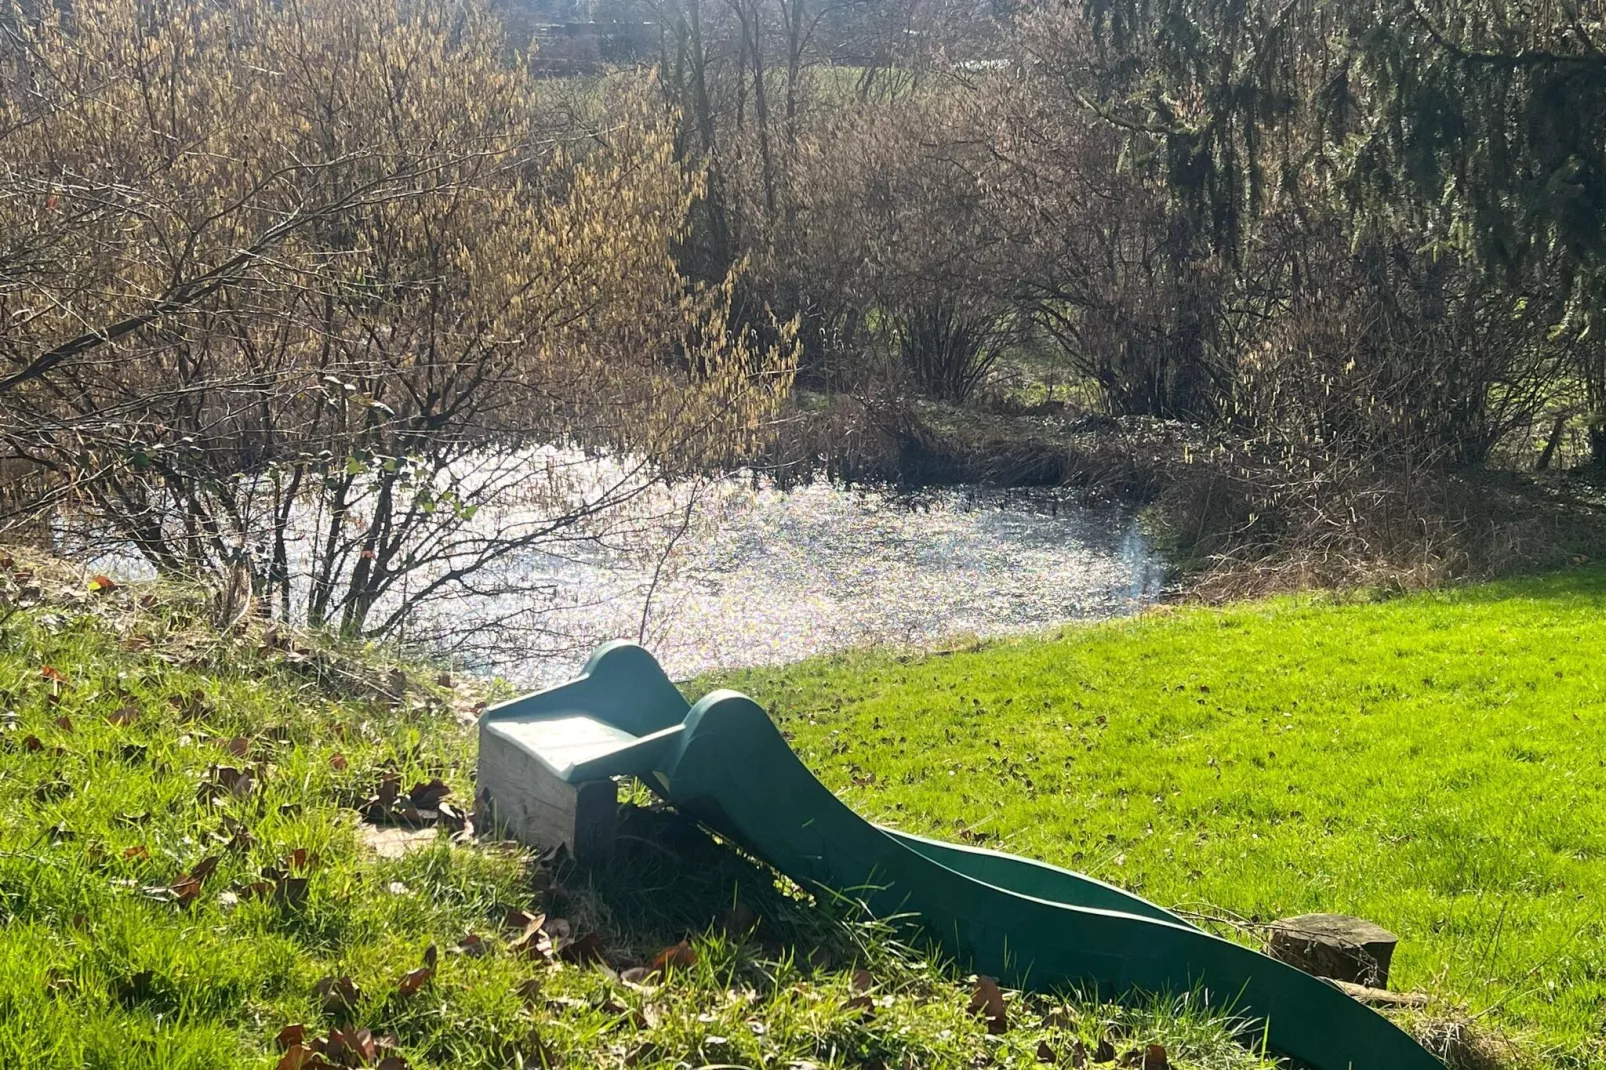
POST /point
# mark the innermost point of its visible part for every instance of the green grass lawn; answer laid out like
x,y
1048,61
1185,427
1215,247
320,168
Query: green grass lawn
x,y
1436,763
185,873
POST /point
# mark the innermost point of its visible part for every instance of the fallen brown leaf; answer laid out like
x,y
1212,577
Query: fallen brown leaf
x,y
1105,1052
636,976
291,1035
739,920
1045,1053
350,1047
414,980
678,955
522,921
474,946
987,1000
427,796
337,762
533,941
338,995
299,1057
123,717
584,950
1149,1057
236,782
188,885
864,1004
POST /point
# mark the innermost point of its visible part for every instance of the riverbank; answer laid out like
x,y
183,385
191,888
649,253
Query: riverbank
x,y
1238,518
1430,762
257,849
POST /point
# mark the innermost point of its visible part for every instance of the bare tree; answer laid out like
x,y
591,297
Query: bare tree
x,y
307,284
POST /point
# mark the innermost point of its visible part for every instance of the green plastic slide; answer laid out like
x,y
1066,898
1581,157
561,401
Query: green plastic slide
x,y
1031,925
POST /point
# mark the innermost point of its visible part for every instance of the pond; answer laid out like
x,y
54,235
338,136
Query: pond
x,y
780,575
738,572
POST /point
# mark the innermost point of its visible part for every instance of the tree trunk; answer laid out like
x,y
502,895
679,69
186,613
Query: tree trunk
x,y
1597,441
1550,443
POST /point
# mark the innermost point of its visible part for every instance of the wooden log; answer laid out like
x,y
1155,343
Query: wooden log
x,y
1335,946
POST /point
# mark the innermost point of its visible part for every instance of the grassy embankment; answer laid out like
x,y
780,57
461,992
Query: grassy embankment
x,y
183,861
1435,763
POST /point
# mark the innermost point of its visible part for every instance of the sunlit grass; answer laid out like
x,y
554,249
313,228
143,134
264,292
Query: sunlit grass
x,y
1434,763
102,810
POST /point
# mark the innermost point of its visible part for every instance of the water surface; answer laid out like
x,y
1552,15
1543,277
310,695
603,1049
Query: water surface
x,y
782,575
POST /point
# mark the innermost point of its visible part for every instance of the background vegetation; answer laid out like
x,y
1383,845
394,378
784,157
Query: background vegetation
x,y
1327,265
293,292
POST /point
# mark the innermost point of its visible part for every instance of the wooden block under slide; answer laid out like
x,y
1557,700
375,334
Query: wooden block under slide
x,y
526,798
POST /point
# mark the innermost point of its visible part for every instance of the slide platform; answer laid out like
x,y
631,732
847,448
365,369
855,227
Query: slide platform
x,y
1031,925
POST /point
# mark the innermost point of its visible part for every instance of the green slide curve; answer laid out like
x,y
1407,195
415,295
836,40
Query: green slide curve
x,y
1031,925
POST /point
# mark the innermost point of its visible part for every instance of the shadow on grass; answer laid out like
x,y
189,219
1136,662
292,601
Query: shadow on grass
x,y
668,879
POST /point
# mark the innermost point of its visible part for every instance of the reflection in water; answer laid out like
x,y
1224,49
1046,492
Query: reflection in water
x,y
776,576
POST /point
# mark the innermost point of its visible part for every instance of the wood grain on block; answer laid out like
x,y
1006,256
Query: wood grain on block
x,y
1335,946
520,784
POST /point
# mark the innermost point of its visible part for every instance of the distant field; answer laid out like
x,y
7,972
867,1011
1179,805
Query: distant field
x,y
1435,763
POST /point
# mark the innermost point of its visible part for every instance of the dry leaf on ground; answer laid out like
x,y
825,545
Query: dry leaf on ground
x,y
988,1001
680,956
414,980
